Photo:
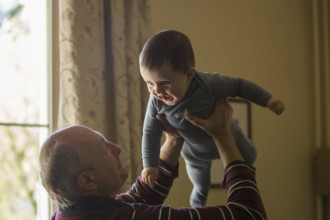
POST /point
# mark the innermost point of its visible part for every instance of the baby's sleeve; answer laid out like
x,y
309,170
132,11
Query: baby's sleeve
x,y
151,138
226,86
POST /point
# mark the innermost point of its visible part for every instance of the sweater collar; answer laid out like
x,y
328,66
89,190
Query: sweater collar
x,y
89,203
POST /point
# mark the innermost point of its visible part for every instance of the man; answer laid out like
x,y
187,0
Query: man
x,y
82,171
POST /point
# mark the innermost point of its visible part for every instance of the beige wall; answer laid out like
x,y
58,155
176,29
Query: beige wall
x,y
270,43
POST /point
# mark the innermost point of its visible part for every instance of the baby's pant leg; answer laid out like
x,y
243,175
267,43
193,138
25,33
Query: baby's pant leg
x,y
199,174
244,144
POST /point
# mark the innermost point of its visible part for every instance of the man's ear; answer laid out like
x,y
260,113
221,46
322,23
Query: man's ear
x,y
85,180
191,72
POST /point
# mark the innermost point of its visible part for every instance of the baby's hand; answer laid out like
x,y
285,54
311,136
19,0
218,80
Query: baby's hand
x,y
149,175
275,105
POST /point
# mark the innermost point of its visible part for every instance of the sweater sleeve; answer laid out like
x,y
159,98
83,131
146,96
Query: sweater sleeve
x,y
243,194
152,132
244,201
226,86
152,195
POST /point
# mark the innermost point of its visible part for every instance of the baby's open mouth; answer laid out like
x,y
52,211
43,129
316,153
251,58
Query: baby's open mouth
x,y
167,97
164,97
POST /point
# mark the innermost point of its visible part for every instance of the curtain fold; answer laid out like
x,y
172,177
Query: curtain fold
x,y
99,80
127,29
82,65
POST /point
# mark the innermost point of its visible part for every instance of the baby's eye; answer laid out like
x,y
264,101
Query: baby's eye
x,y
149,84
164,83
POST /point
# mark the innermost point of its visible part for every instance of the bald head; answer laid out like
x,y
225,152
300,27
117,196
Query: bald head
x,y
62,158
73,135
77,161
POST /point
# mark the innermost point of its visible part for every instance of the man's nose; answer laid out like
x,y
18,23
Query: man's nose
x,y
115,149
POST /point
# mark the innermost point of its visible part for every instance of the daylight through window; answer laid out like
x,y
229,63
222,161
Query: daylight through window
x,y
23,107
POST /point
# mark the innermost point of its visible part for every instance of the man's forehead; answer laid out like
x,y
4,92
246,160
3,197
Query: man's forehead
x,y
76,134
77,129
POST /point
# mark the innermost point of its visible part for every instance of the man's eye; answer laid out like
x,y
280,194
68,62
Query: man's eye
x,y
149,83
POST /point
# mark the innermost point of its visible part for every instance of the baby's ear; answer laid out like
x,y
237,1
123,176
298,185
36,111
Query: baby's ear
x,y
191,72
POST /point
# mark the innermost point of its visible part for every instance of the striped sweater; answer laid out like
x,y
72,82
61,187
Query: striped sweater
x,y
145,202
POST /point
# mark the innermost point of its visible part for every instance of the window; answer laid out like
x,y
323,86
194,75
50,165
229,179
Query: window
x,y
24,101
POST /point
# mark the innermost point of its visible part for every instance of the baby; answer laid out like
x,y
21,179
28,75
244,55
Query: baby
x,y
167,65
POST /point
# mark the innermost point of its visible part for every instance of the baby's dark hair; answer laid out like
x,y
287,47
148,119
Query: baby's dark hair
x,y
170,47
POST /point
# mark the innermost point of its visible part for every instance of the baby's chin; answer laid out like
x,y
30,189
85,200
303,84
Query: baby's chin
x,y
171,101
167,100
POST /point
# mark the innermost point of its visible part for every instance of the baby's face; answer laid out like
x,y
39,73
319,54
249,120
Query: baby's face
x,y
167,85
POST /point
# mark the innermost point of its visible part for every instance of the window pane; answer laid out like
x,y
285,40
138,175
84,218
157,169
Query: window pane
x,y
19,171
23,99
22,60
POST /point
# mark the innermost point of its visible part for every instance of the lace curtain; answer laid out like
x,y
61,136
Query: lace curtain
x,y
99,81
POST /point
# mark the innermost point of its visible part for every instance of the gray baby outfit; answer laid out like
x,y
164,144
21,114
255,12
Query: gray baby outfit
x,y
199,148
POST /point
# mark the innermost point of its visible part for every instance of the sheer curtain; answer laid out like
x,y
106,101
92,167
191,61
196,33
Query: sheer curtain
x,y
99,81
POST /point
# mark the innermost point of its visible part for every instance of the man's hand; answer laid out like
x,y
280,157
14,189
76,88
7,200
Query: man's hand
x,y
218,123
149,175
218,126
275,105
170,132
